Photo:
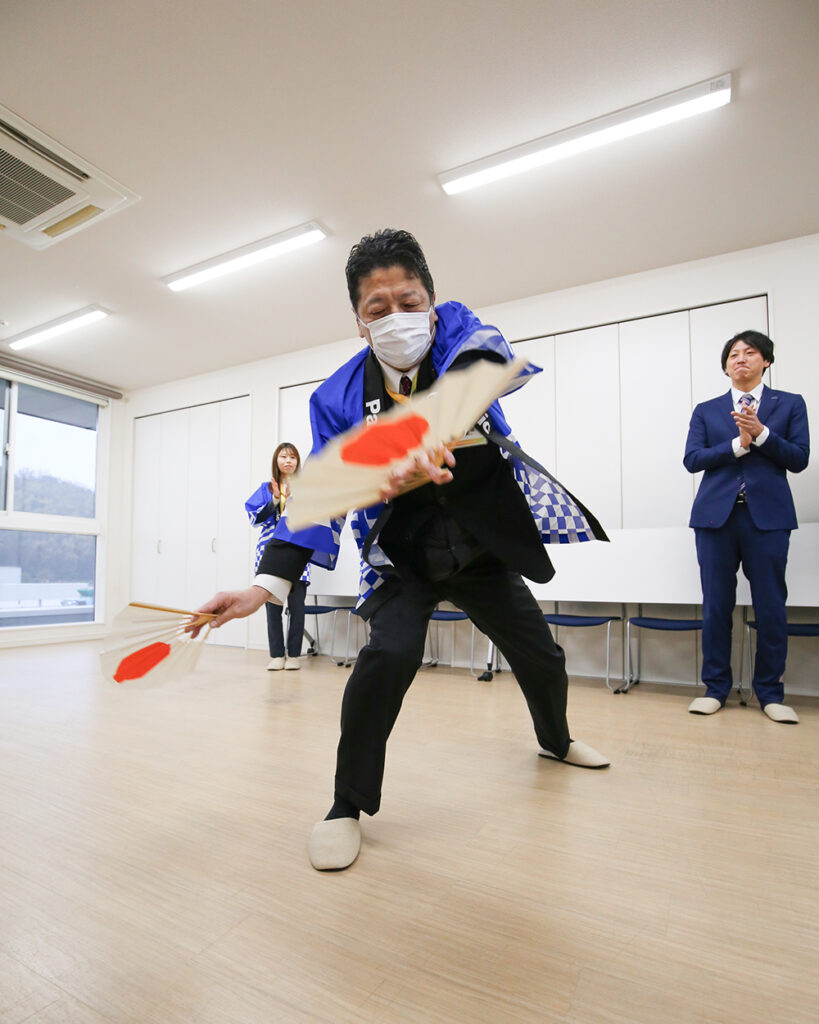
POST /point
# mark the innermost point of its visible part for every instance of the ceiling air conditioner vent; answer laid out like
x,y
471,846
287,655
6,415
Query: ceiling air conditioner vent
x,y
46,192
24,192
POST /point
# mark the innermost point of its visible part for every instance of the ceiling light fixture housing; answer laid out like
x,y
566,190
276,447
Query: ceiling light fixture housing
x,y
643,117
63,324
246,256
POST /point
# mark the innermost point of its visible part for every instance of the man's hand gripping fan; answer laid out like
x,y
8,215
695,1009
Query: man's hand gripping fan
x,y
405,448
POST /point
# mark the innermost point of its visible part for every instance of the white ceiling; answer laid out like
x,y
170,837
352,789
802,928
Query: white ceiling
x,y
237,120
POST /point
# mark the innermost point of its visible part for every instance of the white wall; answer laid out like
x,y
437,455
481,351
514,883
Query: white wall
x,y
786,272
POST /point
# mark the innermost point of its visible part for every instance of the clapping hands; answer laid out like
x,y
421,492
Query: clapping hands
x,y
749,426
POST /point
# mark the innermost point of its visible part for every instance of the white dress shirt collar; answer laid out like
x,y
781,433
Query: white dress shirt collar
x,y
756,394
392,377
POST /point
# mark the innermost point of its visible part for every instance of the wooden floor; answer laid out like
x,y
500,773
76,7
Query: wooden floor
x,y
153,861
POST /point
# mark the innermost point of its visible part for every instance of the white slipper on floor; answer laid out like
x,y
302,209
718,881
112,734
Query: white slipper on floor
x,y
781,713
580,754
334,844
704,706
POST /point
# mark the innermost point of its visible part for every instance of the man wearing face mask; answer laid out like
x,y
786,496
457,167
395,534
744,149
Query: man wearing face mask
x,y
467,540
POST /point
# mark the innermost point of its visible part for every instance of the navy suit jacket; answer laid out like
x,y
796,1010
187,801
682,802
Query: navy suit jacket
x,y
709,448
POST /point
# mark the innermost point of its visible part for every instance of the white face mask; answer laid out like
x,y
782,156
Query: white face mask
x,y
401,340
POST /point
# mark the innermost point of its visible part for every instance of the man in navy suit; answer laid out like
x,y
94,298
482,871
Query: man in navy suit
x,y
746,441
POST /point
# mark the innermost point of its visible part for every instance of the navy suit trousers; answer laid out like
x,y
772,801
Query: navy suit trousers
x,y
763,555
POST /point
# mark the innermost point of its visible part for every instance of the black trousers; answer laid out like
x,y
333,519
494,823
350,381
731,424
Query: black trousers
x,y
295,629
501,606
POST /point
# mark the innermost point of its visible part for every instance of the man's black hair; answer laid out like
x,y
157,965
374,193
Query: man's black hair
x,y
753,339
386,248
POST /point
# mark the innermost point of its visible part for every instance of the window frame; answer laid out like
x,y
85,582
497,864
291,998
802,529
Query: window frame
x,y
42,522
5,444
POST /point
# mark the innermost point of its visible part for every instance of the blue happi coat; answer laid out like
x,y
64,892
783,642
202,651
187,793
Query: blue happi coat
x,y
337,405
254,506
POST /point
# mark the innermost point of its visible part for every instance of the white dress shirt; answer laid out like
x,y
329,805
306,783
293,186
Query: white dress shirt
x,y
756,394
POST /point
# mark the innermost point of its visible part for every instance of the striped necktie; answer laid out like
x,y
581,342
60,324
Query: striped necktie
x,y
746,401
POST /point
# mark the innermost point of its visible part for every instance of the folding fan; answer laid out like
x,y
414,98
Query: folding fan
x,y
149,644
351,470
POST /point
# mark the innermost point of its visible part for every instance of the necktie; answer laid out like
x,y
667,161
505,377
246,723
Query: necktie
x,y
406,386
746,401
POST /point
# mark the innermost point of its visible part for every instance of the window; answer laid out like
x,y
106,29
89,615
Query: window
x,y
46,578
55,453
49,519
4,439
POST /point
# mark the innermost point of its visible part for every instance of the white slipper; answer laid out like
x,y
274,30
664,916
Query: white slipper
x,y
334,844
580,754
781,713
704,706
275,665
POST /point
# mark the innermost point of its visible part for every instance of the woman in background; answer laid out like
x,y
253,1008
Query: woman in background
x,y
265,508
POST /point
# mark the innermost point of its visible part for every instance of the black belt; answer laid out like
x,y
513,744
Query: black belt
x,y
742,499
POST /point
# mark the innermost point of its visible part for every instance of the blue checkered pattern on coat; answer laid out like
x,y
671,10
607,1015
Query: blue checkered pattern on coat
x,y
556,516
371,579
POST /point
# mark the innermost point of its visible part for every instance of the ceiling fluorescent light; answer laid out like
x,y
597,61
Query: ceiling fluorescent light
x,y
674,106
69,322
238,259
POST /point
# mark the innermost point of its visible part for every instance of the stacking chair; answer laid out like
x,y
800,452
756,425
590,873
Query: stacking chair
x,y
493,660
554,619
557,619
439,615
316,610
794,629
348,660
643,622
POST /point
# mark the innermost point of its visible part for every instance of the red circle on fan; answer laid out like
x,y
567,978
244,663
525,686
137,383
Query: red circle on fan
x,y
381,443
140,662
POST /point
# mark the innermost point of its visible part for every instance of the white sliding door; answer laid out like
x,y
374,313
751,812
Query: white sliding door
x,y
235,538
711,327
191,537
145,535
294,425
655,395
531,410
588,420
201,508
172,547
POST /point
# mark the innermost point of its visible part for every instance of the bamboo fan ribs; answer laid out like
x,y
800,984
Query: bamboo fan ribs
x,y
149,644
